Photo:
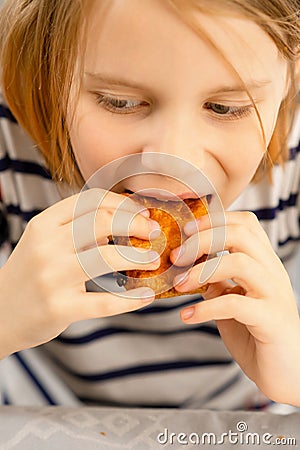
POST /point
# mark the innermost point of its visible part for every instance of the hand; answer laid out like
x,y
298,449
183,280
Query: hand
x,y
43,282
258,318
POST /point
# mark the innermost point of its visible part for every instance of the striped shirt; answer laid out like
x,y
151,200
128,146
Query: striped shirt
x,y
147,358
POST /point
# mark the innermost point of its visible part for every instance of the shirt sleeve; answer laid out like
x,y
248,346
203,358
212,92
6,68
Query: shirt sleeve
x,y
3,224
11,140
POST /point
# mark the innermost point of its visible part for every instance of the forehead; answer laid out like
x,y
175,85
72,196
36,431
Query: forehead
x,y
135,35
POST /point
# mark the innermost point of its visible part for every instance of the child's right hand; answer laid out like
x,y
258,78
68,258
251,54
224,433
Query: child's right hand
x,y
43,282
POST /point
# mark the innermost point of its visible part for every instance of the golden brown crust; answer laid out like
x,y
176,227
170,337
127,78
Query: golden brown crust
x,y
171,216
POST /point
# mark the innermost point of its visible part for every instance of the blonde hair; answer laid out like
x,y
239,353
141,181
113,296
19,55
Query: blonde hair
x,y
39,45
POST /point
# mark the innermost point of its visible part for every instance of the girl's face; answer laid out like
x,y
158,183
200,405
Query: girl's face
x,y
152,84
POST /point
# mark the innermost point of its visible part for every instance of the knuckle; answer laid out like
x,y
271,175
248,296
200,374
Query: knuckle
x,y
250,217
33,224
105,214
35,233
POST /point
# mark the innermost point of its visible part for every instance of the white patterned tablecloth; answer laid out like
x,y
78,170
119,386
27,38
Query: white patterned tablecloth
x,y
63,428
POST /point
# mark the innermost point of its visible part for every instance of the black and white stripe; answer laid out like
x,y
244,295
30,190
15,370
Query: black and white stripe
x,y
148,357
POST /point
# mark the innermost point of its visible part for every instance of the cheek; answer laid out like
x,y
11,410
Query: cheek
x,y
96,143
239,154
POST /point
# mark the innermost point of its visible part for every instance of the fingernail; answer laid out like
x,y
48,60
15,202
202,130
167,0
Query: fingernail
x,y
188,313
190,227
153,256
147,295
145,213
181,278
154,229
178,252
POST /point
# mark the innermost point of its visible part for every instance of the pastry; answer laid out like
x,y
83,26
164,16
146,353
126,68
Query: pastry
x,y
171,216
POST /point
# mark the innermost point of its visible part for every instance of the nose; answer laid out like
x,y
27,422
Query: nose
x,y
179,136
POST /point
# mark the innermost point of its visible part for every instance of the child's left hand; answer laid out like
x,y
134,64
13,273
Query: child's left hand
x,y
258,319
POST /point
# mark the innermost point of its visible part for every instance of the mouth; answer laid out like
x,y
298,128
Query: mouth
x,y
165,196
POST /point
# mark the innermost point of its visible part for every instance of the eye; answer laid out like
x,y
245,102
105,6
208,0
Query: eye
x,y
118,105
228,112
219,109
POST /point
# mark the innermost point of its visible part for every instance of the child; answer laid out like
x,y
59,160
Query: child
x,y
213,83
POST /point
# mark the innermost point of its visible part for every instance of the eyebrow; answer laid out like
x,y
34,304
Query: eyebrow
x,y
119,81
251,85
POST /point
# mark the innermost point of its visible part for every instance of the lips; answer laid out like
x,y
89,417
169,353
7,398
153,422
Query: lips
x,y
163,195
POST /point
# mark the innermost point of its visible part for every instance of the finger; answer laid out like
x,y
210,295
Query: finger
x,y
217,289
244,218
106,259
90,229
232,306
88,201
241,268
104,304
235,290
237,238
